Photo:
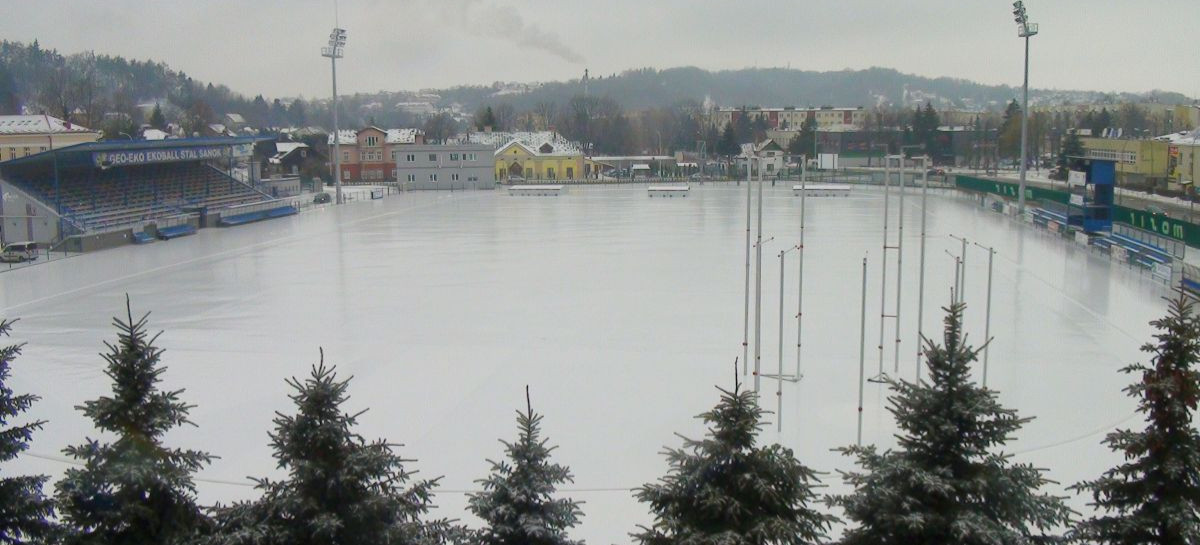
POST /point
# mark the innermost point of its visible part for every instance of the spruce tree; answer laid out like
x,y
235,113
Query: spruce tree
x,y
24,510
1153,498
517,501
946,483
340,489
726,490
157,120
134,490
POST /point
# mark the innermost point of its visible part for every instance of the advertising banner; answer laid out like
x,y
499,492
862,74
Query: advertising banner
x,y
105,159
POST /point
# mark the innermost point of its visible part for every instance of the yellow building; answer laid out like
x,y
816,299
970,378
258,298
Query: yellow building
x,y
518,160
1139,162
22,135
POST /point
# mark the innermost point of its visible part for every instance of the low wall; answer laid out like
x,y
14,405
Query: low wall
x,y
1177,229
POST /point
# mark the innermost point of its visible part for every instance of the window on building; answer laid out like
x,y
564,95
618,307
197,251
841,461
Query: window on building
x,y
412,157
549,173
345,174
345,156
453,156
472,178
433,177
394,173
570,173
26,151
372,141
469,157
433,157
528,173
454,177
412,177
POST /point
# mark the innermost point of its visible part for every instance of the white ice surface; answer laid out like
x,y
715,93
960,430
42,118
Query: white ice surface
x,y
620,312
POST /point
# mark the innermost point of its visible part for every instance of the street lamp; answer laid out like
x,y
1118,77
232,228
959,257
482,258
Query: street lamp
x,y
337,41
1026,30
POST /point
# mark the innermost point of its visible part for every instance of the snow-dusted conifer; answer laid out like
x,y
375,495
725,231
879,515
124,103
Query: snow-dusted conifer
x,y
340,489
133,490
24,510
518,501
947,483
1153,498
726,490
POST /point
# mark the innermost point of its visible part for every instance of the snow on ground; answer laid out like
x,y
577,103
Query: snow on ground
x,y
620,311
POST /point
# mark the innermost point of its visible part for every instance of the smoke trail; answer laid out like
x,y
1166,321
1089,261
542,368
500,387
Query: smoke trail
x,y
488,19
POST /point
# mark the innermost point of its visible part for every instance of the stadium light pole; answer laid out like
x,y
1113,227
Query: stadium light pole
x,y
1026,30
337,41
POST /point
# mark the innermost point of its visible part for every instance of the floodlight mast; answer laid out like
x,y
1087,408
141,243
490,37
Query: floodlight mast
x,y
337,41
1025,30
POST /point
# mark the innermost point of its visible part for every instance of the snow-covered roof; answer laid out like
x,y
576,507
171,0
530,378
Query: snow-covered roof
x,y
154,134
236,118
533,141
1181,137
283,149
348,137
37,124
403,136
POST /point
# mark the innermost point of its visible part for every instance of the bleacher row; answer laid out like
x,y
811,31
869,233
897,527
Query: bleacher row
x,y
1138,252
112,198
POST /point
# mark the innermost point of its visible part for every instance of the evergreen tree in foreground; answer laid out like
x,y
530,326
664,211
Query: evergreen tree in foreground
x,y
1154,497
517,501
133,490
725,490
340,489
23,509
946,483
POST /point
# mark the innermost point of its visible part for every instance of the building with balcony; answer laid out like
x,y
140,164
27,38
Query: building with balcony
x,y
375,155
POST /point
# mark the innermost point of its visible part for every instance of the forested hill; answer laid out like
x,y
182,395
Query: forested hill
x,y
90,87
648,88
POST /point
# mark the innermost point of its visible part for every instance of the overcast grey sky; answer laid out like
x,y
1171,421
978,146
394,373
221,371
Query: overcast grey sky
x,y
273,46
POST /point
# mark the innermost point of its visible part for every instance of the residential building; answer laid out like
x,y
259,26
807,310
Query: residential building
x,y
445,166
771,157
375,155
540,155
22,135
791,118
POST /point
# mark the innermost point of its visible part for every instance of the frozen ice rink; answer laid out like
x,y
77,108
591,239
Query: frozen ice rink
x,y
620,311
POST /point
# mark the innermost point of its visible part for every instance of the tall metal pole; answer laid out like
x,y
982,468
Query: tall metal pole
x,y
779,366
746,308
899,267
758,293
862,350
800,289
337,137
887,175
1024,126
921,283
987,321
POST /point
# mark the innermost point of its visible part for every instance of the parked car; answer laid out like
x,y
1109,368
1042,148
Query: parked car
x,y
936,172
322,198
516,180
19,252
1155,210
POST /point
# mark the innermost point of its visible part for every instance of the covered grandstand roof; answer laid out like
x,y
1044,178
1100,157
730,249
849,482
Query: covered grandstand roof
x,y
38,124
82,154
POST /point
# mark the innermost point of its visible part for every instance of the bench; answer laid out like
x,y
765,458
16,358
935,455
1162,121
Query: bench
x,y
176,231
667,191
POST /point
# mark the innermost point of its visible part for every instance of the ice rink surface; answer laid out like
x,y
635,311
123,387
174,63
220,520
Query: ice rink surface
x,y
621,312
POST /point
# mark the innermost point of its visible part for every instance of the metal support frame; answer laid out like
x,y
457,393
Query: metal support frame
x,y
746,306
862,350
960,280
987,321
882,376
921,283
758,290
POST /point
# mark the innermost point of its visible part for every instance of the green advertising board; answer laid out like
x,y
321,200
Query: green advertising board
x,y
1160,224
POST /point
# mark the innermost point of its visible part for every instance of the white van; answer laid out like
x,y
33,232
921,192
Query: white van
x,y
18,252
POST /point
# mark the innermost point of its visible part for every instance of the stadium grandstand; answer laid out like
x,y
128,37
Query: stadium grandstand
x,y
105,193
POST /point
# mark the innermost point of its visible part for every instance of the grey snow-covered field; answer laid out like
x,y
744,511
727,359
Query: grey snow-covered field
x,y
621,312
